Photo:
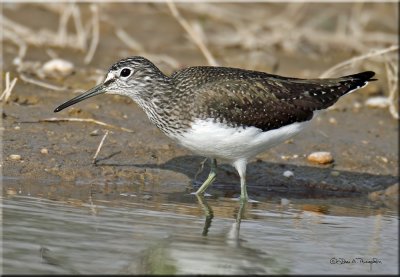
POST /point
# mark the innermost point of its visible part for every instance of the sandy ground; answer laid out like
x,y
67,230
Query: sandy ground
x,y
362,140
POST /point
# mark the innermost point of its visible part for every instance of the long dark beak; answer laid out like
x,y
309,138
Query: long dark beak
x,y
91,92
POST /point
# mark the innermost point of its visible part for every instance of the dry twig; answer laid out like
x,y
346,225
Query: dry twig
x,y
192,33
8,88
90,120
351,61
95,33
137,47
40,83
99,147
393,82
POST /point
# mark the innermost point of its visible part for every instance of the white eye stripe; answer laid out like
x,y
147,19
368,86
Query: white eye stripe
x,y
110,76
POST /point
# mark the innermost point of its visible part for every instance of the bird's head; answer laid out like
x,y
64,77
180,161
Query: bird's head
x,y
135,77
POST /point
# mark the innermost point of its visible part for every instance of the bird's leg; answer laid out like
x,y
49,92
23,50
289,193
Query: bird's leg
x,y
243,189
200,169
240,166
211,177
233,234
208,213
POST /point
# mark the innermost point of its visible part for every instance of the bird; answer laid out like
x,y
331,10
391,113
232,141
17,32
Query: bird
x,y
223,113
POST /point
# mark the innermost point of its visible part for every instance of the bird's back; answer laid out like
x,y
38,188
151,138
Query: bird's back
x,y
241,97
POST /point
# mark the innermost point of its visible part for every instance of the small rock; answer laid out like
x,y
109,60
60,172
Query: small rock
x,y
17,128
285,157
288,174
357,105
335,173
320,157
57,68
15,157
285,202
44,151
332,120
288,157
95,133
378,102
383,159
146,197
128,194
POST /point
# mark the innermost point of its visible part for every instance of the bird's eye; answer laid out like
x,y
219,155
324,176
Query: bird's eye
x,y
125,72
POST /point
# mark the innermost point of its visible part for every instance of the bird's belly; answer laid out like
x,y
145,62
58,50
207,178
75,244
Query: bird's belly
x,y
217,140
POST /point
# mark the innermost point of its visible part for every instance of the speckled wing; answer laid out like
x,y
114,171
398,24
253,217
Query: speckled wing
x,y
270,101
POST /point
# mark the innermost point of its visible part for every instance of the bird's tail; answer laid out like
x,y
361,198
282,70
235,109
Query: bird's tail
x,y
356,81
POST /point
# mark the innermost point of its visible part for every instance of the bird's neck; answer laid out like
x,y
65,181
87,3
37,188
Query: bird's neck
x,y
158,105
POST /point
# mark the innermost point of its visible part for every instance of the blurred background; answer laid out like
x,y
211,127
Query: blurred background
x,y
301,39
115,190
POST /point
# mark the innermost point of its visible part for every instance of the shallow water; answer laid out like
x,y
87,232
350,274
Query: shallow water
x,y
170,233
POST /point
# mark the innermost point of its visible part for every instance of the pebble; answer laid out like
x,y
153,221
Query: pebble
x,y
378,102
288,157
320,157
335,173
57,68
357,105
15,157
95,133
332,120
128,194
285,157
146,197
285,202
44,151
383,159
17,128
288,174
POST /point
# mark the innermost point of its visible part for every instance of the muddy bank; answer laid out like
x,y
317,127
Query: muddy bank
x,y
362,140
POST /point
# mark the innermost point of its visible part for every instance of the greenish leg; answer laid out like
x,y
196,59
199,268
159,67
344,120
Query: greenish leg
x,y
243,190
234,231
208,213
200,169
241,211
210,179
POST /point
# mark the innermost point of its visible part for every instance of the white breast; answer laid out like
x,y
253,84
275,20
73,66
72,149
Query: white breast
x,y
217,140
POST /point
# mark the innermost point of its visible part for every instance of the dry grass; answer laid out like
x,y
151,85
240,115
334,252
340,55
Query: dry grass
x,y
366,30
40,83
9,86
195,35
89,120
94,161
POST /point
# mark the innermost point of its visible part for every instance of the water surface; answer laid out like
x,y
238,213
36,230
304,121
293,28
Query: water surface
x,y
175,233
